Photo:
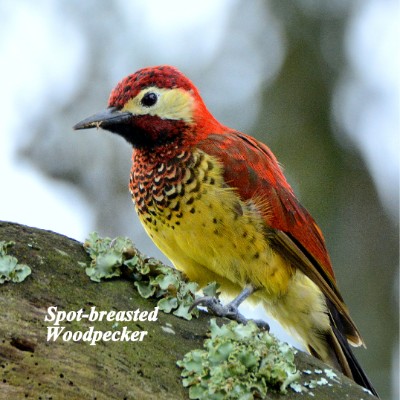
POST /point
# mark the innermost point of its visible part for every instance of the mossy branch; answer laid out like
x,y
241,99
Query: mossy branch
x,y
32,367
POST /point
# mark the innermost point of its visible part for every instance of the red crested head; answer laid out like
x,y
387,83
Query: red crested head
x,y
163,77
156,107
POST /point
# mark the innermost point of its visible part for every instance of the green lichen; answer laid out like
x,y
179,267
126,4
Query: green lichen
x,y
10,270
110,257
238,362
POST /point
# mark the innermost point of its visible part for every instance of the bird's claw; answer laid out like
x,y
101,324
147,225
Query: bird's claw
x,y
206,301
230,311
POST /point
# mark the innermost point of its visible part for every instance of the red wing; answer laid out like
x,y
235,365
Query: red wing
x,y
252,169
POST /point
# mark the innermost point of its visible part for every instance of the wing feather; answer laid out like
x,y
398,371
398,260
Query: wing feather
x,y
251,168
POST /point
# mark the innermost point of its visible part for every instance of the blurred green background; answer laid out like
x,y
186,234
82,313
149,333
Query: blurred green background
x,y
317,81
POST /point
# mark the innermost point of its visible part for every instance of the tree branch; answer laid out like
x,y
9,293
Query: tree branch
x,y
32,367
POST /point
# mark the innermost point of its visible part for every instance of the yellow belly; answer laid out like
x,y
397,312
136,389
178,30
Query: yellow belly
x,y
214,236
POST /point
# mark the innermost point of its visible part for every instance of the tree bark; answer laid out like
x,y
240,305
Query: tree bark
x,y
33,368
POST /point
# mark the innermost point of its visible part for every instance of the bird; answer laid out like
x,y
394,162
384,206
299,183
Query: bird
x,y
215,201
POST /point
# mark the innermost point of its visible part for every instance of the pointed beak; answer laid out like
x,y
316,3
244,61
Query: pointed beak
x,y
104,119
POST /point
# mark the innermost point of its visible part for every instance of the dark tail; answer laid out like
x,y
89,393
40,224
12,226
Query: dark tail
x,y
341,355
348,362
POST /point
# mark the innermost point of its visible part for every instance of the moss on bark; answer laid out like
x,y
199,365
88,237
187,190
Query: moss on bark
x,y
33,368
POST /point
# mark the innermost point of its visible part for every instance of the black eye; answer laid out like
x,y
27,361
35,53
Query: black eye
x,y
149,99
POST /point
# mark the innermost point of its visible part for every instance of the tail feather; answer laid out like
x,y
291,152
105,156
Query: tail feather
x,y
341,354
348,362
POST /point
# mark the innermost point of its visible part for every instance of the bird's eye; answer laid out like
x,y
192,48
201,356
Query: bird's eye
x,y
149,99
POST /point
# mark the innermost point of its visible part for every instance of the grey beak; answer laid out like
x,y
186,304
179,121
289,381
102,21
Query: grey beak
x,y
104,119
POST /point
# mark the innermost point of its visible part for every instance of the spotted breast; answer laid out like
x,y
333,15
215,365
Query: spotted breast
x,y
202,226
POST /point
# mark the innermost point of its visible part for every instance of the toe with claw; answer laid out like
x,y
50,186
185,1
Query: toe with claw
x,y
231,310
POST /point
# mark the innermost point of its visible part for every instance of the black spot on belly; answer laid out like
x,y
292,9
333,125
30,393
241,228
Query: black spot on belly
x,y
173,196
177,207
273,273
196,188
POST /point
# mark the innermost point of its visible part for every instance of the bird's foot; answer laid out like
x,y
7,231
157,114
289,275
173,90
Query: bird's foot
x,y
230,310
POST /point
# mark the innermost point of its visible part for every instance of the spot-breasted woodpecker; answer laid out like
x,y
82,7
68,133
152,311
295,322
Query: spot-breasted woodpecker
x,y
217,204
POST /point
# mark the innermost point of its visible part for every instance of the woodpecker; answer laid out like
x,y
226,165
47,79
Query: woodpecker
x,y
216,203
